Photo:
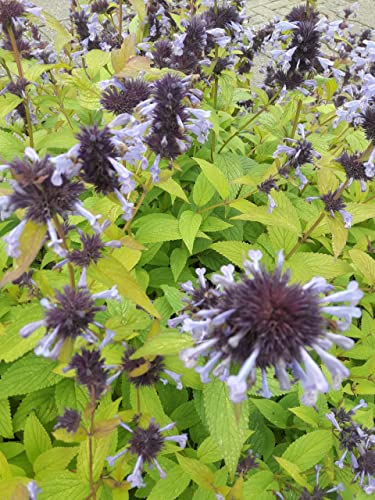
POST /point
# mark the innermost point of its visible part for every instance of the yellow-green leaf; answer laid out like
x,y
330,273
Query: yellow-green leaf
x,y
110,271
198,472
215,176
36,438
189,224
293,471
235,251
365,265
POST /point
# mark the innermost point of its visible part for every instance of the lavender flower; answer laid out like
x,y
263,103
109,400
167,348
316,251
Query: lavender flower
x,y
266,187
33,490
90,371
319,492
125,95
35,192
70,420
354,168
10,10
358,445
334,203
262,321
71,315
146,444
247,463
368,123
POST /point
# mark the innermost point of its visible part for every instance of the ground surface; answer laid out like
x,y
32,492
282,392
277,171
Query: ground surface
x,y
260,10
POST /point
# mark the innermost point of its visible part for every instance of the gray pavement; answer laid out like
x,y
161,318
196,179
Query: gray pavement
x,y
261,11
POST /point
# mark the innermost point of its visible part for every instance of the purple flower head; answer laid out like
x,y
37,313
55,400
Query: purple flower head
x,y
72,314
354,168
334,203
70,420
10,10
302,13
247,463
306,42
368,123
99,6
141,371
126,96
92,250
146,444
318,492
262,320
167,137
90,371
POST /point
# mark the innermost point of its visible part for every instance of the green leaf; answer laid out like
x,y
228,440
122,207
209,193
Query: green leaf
x,y
27,375
10,146
272,411
63,485
172,187
208,451
51,461
235,251
110,271
100,450
31,241
213,224
168,342
96,59
178,261
306,265
6,426
365,265
293,470
309,449
203,190
198,472
174,297
215,176
7,103
156,228
41,402
146,400
339,235
226,427
35,438
172,486
189,224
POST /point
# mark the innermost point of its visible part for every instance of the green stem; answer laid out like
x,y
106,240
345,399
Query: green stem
x,y
60,232
120,21
306,235
91,451
296,118
247,123
21,74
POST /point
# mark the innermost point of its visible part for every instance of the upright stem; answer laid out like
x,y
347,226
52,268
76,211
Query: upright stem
x,y
306,235
60,232
21,74
296,118
120,21
91,451
138,205
250,120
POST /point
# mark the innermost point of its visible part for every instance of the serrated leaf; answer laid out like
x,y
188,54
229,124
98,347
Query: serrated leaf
x,y
31,241
174,297
145,399
172,486
208,451
213,224
100,450
365,265
156,228
215,176
203,190
172,187
293,471
198,472
272,411
7,103
27,375
63,485
56,459
309,450
235,251
306,265
110,271
169,343
189,224
226,427
10,146
6,426
35,438
178,261
339,235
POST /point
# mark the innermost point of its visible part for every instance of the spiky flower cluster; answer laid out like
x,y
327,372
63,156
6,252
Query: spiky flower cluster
x,y
90,371
70,315
70,421
358,444
263,321
146,444
124,95
35,191
333,202
355,168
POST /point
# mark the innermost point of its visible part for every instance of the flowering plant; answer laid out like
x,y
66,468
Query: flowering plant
x,y
187,272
